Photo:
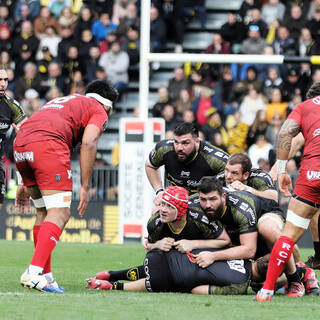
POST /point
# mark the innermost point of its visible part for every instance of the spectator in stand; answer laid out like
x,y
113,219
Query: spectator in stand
x,y
5,60
258,127
177,83
293,103
85,21
44,20
314,24
259,150
101,27
208,98
191,8
273,129
184,102
170,116
92,64
120,10
158,31
227,90
68,39
273,81
237,131
251,104
56,7
25,57
304,5
272,10
254,43
30,79
292,84
284,44
234,31
163,99
218,45
51,40
307,46
101,73
246,7
172,14
43,63
314,4
55,78
86,42
12,81
116,64
131,45
295,22
31,102
99,6
53,93
256,20
130,21
5,17
22,6
72,63
276,105
105,45
67,19
77,84
5,38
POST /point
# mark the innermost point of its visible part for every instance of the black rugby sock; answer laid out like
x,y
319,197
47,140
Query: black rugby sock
x,y
130,274
117,286
316,246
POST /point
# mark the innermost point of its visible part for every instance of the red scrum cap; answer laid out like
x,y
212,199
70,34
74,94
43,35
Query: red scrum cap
x,y
177,197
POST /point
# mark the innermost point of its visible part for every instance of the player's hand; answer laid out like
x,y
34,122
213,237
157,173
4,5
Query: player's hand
x,y
22,199
238,185
183,245
165,244
84,200
157,199
284,183
16,127
204,259
273,173
145,244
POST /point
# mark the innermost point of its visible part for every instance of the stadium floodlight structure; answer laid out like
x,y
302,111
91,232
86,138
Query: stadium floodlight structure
x,y
146,57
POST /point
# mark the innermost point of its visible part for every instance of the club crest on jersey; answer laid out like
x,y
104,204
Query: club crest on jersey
x,y
185,174
313,175
316,132
316,100
58,177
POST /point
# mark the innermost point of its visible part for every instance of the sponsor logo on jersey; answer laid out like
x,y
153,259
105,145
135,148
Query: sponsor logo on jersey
x,y
4,125
58,177
316,100
192,183
214,225
194,214
244,206
313,175
205,148
69,172
22,156
146,270
205,219
185,174
253,216
316,132
233,200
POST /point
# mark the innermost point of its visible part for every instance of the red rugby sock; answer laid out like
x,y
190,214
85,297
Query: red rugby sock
x,y
48,237
279,257
36,230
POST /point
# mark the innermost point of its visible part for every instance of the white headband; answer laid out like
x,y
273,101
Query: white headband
x,y
104,101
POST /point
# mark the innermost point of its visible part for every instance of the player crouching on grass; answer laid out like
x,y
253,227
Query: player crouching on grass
x,y
42,155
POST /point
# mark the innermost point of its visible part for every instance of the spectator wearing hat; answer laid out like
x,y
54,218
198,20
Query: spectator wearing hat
x,y
292,84
43,63
24,57
254,44
44,20
256,20
5,38
101,27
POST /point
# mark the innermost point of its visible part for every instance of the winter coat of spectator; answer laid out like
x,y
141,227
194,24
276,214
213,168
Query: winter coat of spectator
x,y
44,20
314,25
131,20
92,64
5,18
162,100
254,44
256,20
120,10
158,31
131,45
101,27
68,39
56,7
284,44
246,6
272,10
85,21
272,81
50,40
276,105
307,46
32,5
85,43
178,82
295,22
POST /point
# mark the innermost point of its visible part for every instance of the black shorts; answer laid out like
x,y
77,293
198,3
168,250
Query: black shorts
x,y
2,182
158,276
269,205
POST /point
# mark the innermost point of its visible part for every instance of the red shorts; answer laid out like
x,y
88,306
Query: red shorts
x,y
45,164
308,185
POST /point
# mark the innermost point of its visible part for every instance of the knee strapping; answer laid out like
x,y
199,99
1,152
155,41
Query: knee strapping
x,y
58,200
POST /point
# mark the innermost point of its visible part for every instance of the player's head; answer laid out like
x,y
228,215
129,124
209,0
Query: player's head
x,y
237,168
3,81
211,196
186,141
174,204
259,268
314,90
103,92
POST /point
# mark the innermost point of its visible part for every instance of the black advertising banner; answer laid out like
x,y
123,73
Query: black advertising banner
x,y
99,224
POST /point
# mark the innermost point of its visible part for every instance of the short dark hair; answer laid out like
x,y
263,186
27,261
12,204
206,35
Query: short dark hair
x,y
314,90
185,128
104,88
241,158
208,184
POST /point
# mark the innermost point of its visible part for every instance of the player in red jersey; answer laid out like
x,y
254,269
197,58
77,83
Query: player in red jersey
x,y
305,201
42,155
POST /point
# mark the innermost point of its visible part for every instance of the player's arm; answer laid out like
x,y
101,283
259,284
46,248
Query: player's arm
x,y
87,157
164,244
246,250
268,193
154,178
288,131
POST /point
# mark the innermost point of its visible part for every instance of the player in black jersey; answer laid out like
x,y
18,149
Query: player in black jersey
x,y
186,160
11,113
174,227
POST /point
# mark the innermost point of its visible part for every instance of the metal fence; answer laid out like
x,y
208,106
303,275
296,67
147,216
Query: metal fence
x,y
104,182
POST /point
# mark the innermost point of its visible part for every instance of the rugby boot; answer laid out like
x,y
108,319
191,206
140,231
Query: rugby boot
x,y
93,283
313,263
263,296
103,275
296,289
309,281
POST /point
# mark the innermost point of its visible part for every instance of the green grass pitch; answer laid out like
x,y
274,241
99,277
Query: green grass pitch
x,y
73,263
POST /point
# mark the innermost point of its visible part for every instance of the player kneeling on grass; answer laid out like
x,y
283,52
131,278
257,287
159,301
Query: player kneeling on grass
x,y
42,155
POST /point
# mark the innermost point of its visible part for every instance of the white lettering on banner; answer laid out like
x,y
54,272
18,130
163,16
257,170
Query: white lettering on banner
x,y
313,175
139,183
127,191
23,156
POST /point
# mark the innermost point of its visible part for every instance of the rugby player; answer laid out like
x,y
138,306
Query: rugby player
x,y
42,155
305,202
